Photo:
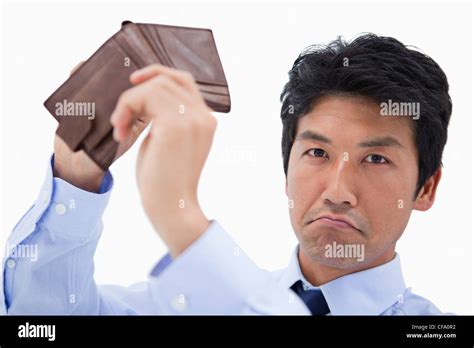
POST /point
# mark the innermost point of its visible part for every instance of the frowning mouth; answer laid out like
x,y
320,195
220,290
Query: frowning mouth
x,y
335,221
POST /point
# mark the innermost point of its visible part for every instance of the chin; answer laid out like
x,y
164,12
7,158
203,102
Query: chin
x,y
320,236
334,248
318,255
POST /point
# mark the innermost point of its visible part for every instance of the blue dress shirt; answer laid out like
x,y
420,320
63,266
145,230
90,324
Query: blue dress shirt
x,y
207,278
376,291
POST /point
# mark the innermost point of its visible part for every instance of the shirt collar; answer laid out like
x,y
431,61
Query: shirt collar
x,y
367,292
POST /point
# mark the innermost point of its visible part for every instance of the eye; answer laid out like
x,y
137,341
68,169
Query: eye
x,y
376,159
317,153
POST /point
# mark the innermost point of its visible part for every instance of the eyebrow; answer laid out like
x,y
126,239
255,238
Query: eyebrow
x,y
310,135
381,141
376,142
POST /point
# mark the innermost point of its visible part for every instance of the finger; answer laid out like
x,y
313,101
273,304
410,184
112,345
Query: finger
x,y
78,65
181,77
140,100
124,116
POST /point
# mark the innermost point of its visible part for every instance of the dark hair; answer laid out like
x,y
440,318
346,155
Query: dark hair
x,y
380,68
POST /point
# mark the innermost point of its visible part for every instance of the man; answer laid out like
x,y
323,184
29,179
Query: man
x,y
364,127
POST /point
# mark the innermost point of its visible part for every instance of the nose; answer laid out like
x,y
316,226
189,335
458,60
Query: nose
x,y
339,189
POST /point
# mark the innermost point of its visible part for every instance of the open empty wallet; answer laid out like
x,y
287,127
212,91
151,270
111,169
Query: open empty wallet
x,y
84,103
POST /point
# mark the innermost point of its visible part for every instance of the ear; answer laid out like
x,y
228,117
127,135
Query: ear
x,y
286,186
427,194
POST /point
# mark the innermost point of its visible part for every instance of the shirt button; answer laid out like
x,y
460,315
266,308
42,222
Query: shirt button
x,y
60,209
11,263
179,303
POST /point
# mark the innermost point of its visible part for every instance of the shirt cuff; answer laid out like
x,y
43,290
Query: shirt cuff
x,y
63,208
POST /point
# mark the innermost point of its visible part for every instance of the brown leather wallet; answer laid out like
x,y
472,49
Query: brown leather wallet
x,y
84,103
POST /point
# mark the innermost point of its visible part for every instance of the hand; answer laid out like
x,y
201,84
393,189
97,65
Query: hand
x,y
173,154
77,168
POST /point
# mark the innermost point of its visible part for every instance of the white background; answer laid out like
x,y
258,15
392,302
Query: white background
x,y
243,183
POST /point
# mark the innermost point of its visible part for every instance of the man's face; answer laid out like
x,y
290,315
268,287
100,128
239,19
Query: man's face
x,y
349,163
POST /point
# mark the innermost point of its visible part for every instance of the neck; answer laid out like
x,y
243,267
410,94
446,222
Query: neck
x,y
318,273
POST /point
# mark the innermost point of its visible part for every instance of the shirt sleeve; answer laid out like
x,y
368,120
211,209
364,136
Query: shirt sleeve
x,y
49,269
214,276
48,266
